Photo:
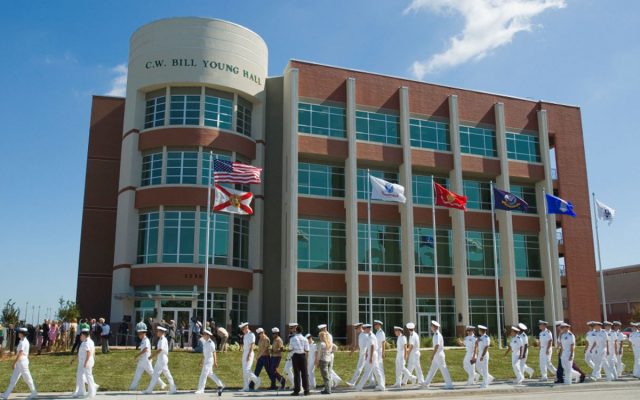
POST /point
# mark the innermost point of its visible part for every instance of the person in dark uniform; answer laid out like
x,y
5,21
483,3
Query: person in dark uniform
x,y
299,347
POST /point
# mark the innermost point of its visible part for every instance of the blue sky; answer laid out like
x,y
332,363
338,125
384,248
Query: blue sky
x,y
55,57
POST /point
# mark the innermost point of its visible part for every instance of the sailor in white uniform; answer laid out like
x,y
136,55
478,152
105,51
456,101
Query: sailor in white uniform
x,y
515,348
371,364
209,361
482,356
612,345
21,366
438,361
413,360
362,348
567,352
590,337
143,363
468,362
248,342
162,362
381,337
402,373
619,349
524,368
546,350
311,361
84,372
599,350
634,341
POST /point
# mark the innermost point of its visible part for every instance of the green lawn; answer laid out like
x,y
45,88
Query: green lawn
x,y
114,371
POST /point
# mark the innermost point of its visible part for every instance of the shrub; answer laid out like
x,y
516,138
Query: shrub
x,y
426,341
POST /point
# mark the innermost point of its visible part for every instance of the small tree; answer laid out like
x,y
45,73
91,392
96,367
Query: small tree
x,y
10,314
635,313
68,310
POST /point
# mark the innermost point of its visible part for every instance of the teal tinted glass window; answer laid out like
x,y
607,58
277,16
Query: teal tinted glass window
x,y
207,169
526,250
423,251
528,194
478,141
151,169
185,109
239,307
482,311
182,167
530,312
322,120
320,180
429,134
385,248
377,127
480,253
422,188
148,224
243,123
523,147
386,309
178,236
240,241
321,244
218,112
314,310
363,182
478,194
155,111
218,238
426,308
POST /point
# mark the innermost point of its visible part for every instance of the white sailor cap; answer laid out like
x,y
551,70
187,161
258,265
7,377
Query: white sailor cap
x,y
207,332
542,322
522,326
482,327
161,328
634,324
141,331
293,324
377,321
275,330
411,325
470,328
597,323
308,335
435,323
558,323
85,331
366,326
242,325
565,325
24,330
591,323
322,326
397,328
357,324
617,323
259,330
515,328
605,323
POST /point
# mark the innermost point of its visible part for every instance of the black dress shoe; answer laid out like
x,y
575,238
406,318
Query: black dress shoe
x,y
325,392
306,393
295,394
582,378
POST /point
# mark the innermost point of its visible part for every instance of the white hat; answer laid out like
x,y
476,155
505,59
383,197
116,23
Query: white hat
x,y
617,323
397,328
207,332
515,329
85,330
542,322
597,323
242,325
411,325
470,328
522,326
322,326
565,325
259,330
366,326
377,321
634,323
591,322
357,324
25,330
484,328
435,323
141,331
161,328
558,323
308,335
275,330
606,323
293,324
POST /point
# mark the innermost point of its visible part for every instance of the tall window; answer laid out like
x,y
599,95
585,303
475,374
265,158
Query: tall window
x,y
218,109
429,134
386,309
218,230
363,181
526,249
480,253
321,244
182,167
424,255
530,312
148,224
216,306
206,168
478,141
523,147
155,109
152,169
528,194
482,311
239,308
185,106
478,194
330,310
377,127
385,248
422,188
178,239
241,242
322,120
243,121
320,180
426,308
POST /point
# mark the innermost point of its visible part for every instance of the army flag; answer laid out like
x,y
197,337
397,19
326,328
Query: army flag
x,y
386,191
233,201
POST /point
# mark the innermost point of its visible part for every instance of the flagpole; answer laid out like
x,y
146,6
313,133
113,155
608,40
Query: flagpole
x,y
206,252
604,302
435,247
369,239
495,266
549,267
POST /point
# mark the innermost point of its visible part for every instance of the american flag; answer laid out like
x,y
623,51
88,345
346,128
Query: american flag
x,y
235,172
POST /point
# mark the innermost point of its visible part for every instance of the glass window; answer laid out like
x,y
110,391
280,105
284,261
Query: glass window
x,y
151,169
219,226
182,167
429,134
148,224
321,244
523,147
240,241
385,248
530,312
218,111
377,127
363,182
178,239
526,250
320,180
155,110
386,309
423,248
422,188
330,310
322,120
243,119
427,307
206,172
482,311
480,253
478,141
478,194
216,307
239,308
528,194
185,109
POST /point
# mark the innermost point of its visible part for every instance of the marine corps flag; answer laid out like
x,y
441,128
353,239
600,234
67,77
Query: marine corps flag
x,y
449,199
233,201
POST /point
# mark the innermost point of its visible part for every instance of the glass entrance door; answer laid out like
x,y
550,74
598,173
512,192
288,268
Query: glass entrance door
x,y
182,317
424,324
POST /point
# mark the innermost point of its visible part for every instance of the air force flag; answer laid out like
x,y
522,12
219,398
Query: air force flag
x,y
386,191
605,213
556,205
507,201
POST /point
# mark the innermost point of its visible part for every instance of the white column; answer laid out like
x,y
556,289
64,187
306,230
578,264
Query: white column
x,y
351,207
227,311
457,223
505,227
406,213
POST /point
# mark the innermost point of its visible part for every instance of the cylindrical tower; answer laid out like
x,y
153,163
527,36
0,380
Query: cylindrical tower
x,y
195,86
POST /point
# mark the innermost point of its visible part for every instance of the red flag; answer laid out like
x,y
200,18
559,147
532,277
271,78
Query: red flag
x,y
449,199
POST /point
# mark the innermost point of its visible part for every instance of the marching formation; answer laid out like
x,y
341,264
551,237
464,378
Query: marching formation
x,y
603,353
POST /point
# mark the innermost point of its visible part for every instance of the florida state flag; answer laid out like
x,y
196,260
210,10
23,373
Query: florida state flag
x,y
233,201
449,199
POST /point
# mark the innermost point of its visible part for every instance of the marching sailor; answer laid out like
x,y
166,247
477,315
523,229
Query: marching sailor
x,y
599,350
567,351
482,356
468,363
590,337
413,360
311,361
209,361
248,341
21,366
277,348
381,338
361,345
143,364
620,340
371,363
438,361
263,355
634,342
515,347
612,345
162,362
524,368
402,373
84,373
546,350
335,379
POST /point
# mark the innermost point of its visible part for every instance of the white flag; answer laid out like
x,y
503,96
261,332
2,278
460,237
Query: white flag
x,y
386,191
232,201
605,213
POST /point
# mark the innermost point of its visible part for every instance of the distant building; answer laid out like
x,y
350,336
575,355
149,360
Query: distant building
x,y
622,292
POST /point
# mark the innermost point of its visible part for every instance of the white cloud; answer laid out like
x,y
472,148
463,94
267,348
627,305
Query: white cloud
x,y
119,82
488,24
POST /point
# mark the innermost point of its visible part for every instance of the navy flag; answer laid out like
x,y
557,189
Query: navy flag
x,y
508,201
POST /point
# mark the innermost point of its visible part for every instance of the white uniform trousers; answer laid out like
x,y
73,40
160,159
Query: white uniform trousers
x,y
161,367
144,365
207,372
414,367
524,368
288,370
515,364
567,366
21,370
546,364
402,373
359,369
619,364
311,371
483,369
588,359
469,368
612,361
438,363
85,375
247,374
636,362
335,378
371,369
601,361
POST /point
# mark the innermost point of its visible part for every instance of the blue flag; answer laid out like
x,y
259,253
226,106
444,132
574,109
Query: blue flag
x,y
426,241
508,201
556,205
